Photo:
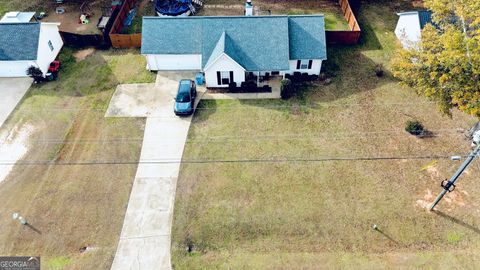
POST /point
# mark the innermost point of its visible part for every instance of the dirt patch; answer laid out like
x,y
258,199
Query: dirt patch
x,y
418,4
82,54
70,20
427,199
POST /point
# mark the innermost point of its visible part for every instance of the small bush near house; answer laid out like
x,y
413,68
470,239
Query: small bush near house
x,y
322,76
414,127
249,86
379,70
286,89
330,68
35,73
232,86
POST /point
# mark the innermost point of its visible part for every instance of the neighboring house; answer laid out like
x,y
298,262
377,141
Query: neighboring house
x,y
27,44
410,25
230,49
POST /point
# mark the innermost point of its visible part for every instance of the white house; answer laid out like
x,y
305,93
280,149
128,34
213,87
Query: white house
x,y
410,25
232,49
26,44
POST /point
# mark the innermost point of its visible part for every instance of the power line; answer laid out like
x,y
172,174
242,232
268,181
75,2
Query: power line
x,y
249,106
209,161
225,139
215,140
349,134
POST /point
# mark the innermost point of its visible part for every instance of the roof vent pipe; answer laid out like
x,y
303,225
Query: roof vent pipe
x,y
249,8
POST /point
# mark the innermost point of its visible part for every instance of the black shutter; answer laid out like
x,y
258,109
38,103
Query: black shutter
x,y
231,76
219,79
310,64
298,63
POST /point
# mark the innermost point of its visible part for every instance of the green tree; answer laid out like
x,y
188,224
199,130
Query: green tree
x,y
446,65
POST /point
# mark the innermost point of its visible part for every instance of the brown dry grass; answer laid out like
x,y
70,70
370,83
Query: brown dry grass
x,y
73,206
319,215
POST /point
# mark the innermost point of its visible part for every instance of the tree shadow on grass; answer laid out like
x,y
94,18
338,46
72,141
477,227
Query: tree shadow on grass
x,y
457,221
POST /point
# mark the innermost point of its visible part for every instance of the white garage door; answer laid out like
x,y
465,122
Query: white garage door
x,y
13,68
175,62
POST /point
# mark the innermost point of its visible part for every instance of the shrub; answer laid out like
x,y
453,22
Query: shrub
x,y
414,127
330,68
379,70
304,76
286,89
322,76
232,86
250,86
35,73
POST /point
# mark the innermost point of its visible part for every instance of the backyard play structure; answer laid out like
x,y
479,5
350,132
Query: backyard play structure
x,y
187,7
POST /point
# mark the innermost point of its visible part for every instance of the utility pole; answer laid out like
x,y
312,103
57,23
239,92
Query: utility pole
x,y
449,186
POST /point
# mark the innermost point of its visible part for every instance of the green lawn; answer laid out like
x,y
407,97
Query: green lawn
x,y
319,214
73,206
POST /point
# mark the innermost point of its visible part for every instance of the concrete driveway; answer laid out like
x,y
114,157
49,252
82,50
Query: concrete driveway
x,y
148,99
146,234
12,91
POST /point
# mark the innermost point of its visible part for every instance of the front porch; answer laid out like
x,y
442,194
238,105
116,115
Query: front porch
x,y
257,85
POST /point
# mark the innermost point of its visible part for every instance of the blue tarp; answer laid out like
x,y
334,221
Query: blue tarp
x,y
172,7
129,19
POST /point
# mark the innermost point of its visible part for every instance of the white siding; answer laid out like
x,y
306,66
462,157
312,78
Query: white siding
x,y
15,68
48,32
315,70
224,63
408,29
174,62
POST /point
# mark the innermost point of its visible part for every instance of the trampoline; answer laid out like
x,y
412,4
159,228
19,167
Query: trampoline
x,y
173,7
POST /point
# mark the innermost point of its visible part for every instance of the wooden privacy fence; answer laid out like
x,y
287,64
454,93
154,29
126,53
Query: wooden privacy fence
x,y
334,37
124,40
347,37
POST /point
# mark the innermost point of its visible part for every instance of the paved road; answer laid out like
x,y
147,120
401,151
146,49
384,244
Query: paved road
x,y
146,234
12,91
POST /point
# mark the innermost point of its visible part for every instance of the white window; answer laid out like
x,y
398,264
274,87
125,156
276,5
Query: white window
x,y
50,45
225,77
304,64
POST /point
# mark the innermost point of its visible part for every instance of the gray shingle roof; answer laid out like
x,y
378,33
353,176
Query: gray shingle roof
x,y
256,42
19,41
217,51
307,37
